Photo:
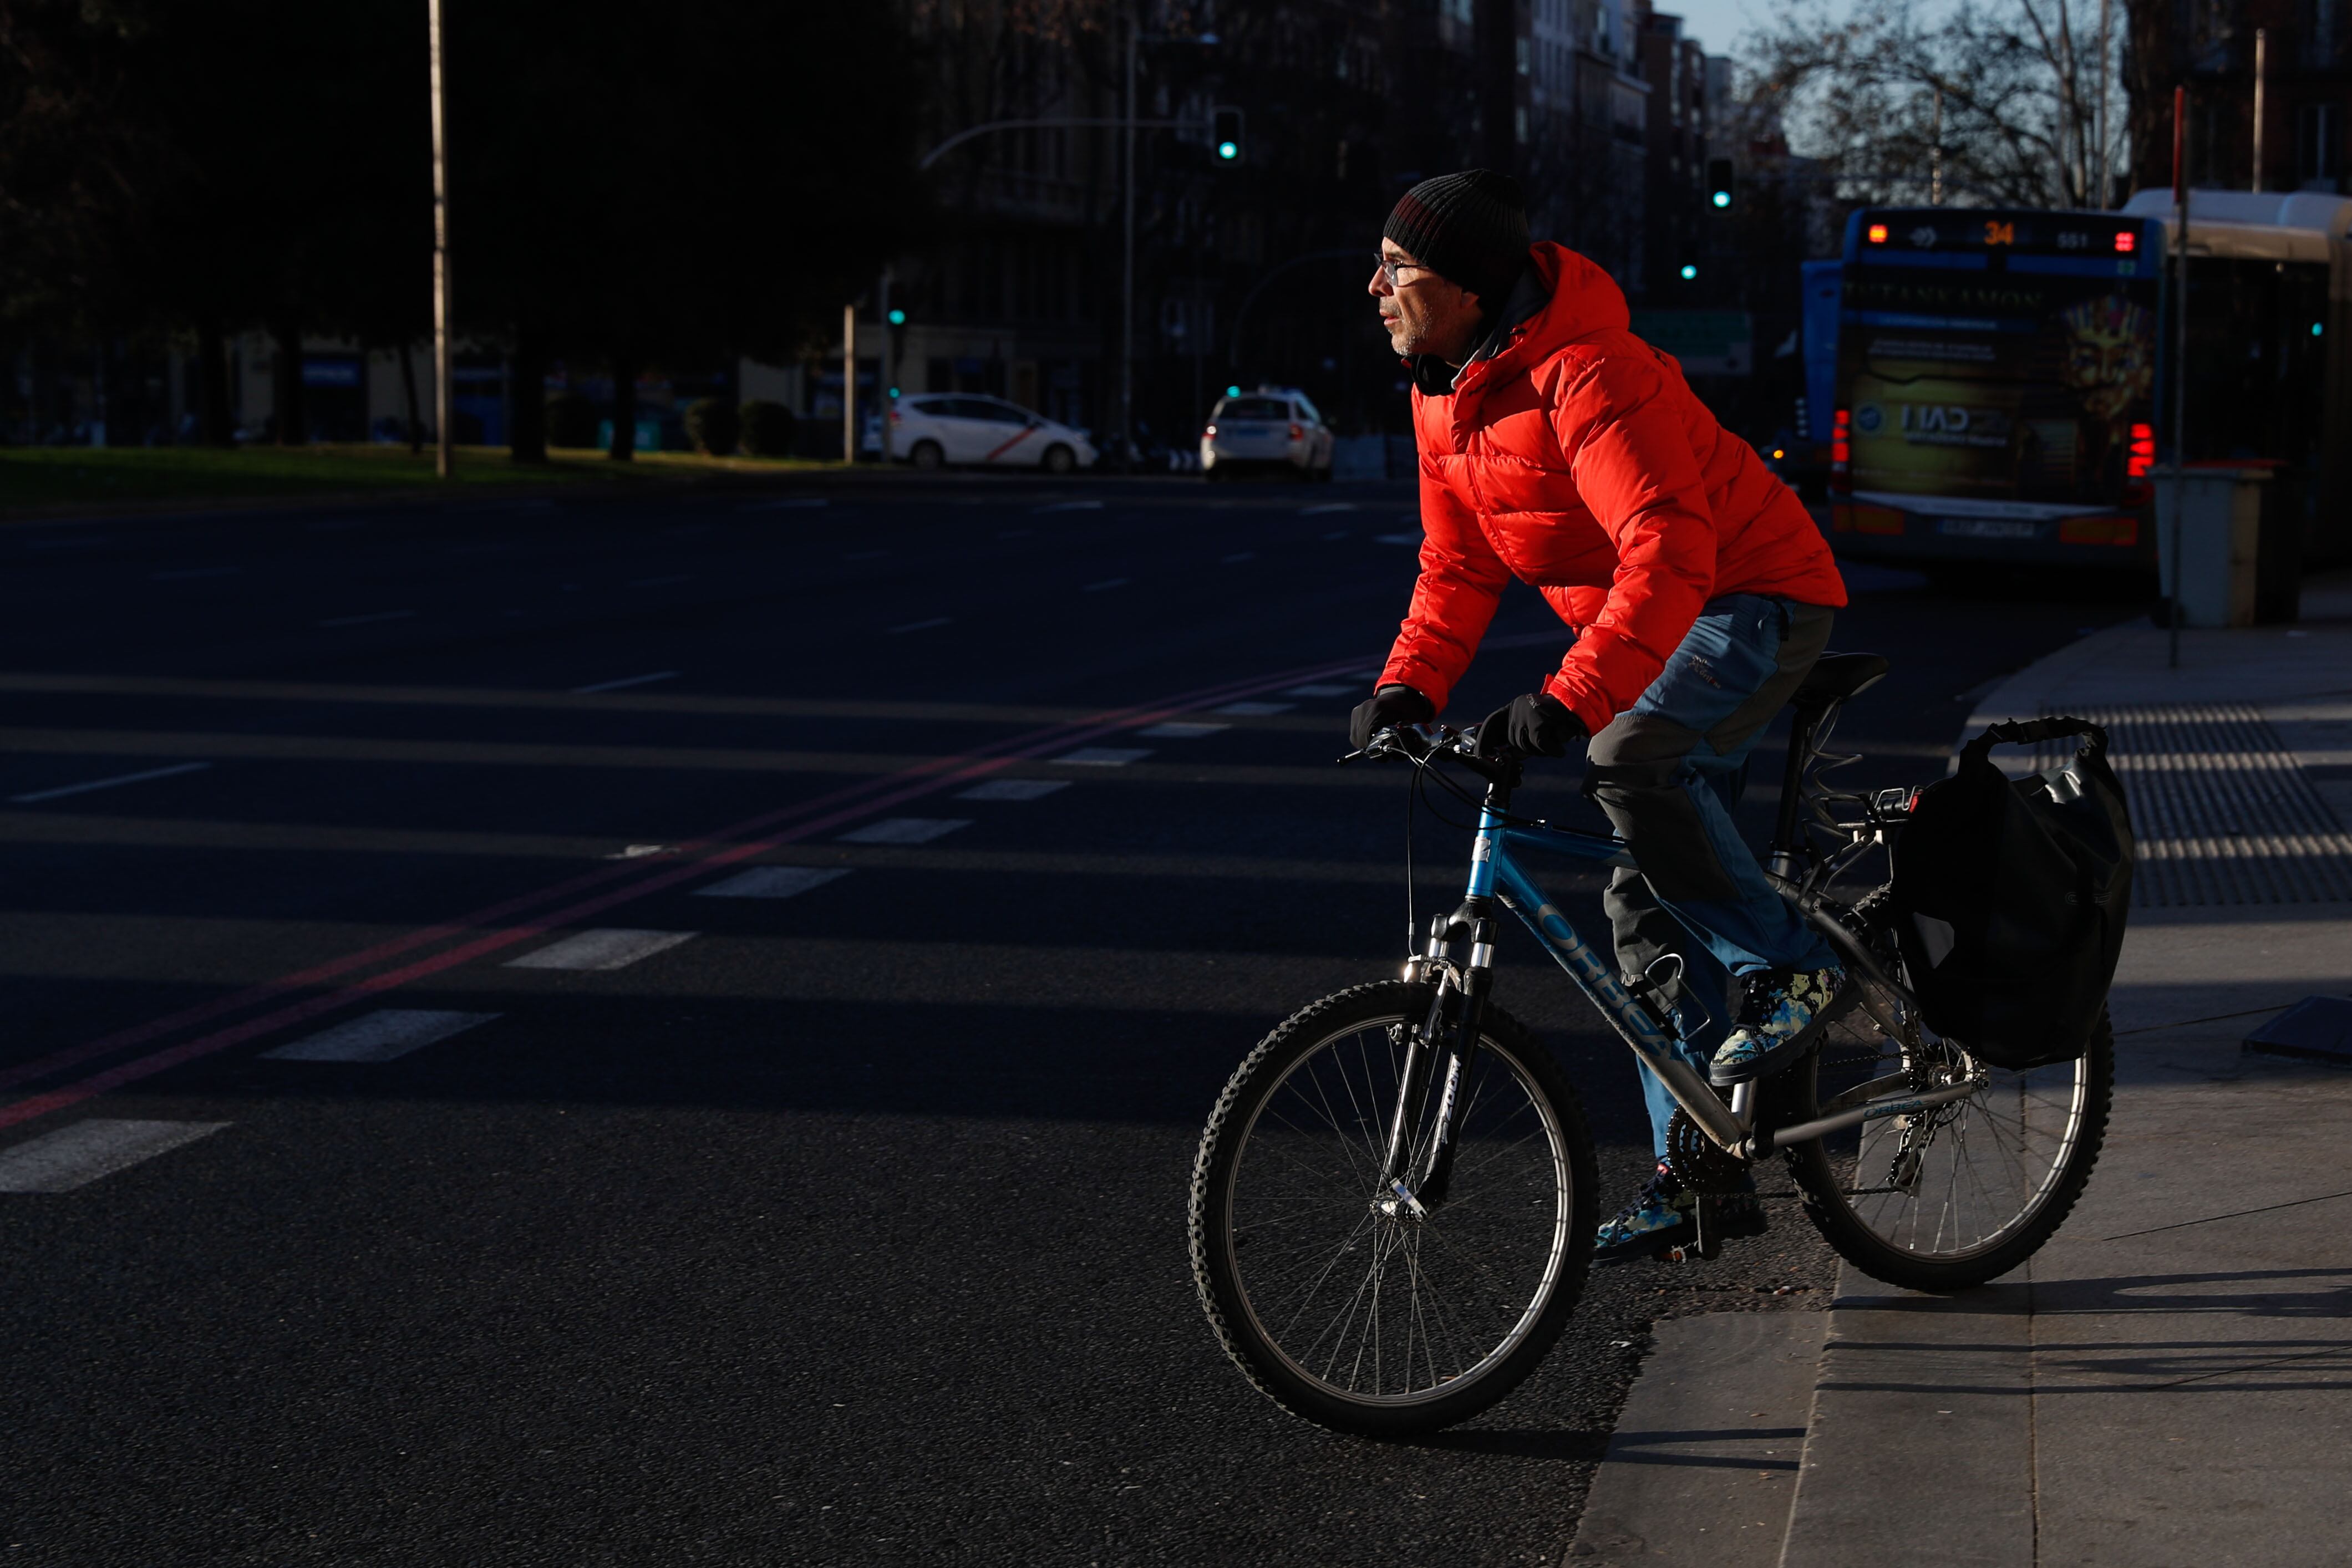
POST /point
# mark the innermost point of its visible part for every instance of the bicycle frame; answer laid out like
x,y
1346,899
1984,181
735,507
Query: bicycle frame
x,y
1496,875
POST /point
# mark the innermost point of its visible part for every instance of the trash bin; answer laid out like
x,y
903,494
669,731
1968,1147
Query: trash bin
x,y
2216,512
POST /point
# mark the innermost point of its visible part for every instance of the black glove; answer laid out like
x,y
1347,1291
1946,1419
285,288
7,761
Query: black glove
x,y
1535,725
1387,707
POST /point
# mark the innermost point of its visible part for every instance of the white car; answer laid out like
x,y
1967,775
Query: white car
x,y
931,430
1269,427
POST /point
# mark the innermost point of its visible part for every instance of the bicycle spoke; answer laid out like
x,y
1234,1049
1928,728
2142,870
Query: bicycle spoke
x,y
1361,1292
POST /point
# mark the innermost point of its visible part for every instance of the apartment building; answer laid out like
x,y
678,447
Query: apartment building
x,y
1249,270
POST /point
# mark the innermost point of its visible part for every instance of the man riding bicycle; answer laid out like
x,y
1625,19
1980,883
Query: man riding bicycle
x,y
1559,448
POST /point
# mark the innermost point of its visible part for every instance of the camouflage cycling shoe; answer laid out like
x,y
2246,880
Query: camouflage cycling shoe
x,y
1662,1216
1775,1023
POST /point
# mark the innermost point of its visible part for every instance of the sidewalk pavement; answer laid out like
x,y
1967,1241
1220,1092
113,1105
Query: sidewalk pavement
x,y
2168,1383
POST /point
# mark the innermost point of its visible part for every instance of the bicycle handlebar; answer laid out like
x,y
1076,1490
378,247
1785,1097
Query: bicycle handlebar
x,y
1423,742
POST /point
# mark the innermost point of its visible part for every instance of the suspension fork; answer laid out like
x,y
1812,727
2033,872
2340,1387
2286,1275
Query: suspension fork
x,y
1451,1031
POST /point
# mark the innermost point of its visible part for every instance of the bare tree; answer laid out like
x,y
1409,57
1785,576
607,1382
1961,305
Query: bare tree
x,y
2011,102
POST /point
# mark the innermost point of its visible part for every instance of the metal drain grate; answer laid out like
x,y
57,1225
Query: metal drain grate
x,y
2221,812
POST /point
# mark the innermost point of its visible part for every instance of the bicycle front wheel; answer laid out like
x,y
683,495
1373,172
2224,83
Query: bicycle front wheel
x,y
1342,1303
1957,1194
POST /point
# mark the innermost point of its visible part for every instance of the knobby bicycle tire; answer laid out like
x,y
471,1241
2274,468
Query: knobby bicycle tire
x,y
1256,1090
1832,1181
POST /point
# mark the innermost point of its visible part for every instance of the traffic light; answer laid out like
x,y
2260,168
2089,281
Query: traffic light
x,y
898,322
1720,186
1689,272
1225,134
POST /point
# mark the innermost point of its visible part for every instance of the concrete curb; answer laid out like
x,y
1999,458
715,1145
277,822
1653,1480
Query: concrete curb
x,y
1702,1466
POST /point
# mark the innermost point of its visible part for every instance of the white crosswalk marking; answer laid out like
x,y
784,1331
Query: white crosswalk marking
x,y
610,947
773,882
1253,710
1179,729
1324,690
905,830
1104,756
77,1155
1014,790
384,1034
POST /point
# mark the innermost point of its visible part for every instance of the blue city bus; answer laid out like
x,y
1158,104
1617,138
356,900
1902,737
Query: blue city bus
x,y
2000,373
1997,386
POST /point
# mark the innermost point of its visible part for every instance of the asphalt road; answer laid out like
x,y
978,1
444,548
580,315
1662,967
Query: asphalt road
x,y
842,1225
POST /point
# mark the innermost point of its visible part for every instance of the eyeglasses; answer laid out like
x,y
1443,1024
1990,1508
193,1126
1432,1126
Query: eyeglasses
x,y
1389,269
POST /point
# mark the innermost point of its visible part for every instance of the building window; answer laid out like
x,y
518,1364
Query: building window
x,y
2318,134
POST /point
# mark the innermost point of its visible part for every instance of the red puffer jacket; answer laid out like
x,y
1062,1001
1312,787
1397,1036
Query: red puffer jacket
x,y
1578,459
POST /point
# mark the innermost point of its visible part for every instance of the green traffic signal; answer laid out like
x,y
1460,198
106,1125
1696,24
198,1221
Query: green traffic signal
x,y
1225,134
898,318
1689,272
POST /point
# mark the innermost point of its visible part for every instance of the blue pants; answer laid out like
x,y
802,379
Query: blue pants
x,y
1668,772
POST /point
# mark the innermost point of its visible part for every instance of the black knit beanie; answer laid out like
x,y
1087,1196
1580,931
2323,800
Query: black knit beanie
x,y
1472,228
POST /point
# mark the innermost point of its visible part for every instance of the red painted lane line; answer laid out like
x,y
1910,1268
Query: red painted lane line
x,y
1065,733
925,779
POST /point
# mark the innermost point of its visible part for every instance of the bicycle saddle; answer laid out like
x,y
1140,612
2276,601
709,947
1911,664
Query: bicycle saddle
x,y
1837,677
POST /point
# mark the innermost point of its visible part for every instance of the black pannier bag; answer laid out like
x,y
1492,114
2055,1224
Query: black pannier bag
x,y
2011,897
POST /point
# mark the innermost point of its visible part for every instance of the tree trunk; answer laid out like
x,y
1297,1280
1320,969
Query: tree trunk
x,y
408,392
214,425
286,383
527,440
625,409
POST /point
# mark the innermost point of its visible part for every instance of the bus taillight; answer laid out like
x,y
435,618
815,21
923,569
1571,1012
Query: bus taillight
x,y
2125,241
2143,450
1878,234
1842,450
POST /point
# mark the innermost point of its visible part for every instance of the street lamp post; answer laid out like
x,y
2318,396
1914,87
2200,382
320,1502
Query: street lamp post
x,y
444,455
1127,258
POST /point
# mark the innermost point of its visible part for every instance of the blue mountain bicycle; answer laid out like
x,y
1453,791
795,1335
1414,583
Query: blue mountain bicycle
x,y
1393,1204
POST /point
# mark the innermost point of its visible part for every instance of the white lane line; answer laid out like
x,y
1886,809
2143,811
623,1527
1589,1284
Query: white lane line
x,y
663,581
906,830
108,783
1107,582
922,626
1253,710
773,882
77,1155
1325,509
1069,506
794,504
625,682
1104,756
1396,538
380,616
188,573
1014,790
610,947
1320,691
639,851
385,1035
1237,557
1179,729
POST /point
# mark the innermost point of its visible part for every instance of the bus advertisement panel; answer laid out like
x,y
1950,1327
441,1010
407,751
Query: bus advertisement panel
x,y
1996,386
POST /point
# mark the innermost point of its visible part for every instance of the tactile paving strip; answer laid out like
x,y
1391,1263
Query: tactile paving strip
x,y
2220,810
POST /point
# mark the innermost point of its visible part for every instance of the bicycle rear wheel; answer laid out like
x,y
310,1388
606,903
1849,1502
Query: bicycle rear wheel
x,y
1336,1299
1958,1193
